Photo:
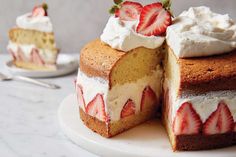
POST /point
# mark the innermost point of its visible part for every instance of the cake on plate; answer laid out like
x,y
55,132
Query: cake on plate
x,y
119,81
127,75
31,43
199,109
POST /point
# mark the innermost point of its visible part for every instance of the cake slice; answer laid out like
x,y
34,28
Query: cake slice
x,y
119,82
32,44
118,90
199,110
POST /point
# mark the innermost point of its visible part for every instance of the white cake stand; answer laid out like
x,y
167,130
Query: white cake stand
x,y
149,139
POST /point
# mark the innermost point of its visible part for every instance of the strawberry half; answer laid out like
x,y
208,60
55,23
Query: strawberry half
x,y
129,11
20,55
128,109
35,57
80,96
148,98
40,10
154,20
220,121
187,121
96,108
12,54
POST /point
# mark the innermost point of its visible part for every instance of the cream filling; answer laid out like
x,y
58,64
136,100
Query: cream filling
x,y
204,104
207,103
117,96
47,55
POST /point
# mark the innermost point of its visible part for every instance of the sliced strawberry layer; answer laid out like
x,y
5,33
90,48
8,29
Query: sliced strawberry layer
x,y
128,109
154,20
35,57
80,96
187,121
148,98
20,55
12,54
96,108
129,11
220,121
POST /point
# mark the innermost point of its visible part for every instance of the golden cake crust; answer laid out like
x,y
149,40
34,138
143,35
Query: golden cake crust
x,y
97,59
204,74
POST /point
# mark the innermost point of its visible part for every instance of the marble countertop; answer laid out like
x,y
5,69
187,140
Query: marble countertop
x,y
28,119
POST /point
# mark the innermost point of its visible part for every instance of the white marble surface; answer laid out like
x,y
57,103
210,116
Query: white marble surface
x,y
28,119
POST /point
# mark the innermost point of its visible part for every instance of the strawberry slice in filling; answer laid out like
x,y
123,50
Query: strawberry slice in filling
x,y
187,121
220,121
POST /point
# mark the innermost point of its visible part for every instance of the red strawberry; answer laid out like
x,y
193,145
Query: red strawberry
x,y
154,20
20,55
187,121
40,10
129,11
128,109
220,121
80,96
12,54
96,108
148,98
35,57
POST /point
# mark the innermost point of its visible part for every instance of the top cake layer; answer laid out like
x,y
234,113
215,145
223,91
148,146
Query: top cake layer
x,y
97,59
203,74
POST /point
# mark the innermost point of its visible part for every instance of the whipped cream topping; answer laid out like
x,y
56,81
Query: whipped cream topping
x,y
121,35
206,104
115,98
201,32
26,49
40,23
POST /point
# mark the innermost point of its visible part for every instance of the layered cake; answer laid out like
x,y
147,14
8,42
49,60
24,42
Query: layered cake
x,y
119,81
128,74
199,109
32,44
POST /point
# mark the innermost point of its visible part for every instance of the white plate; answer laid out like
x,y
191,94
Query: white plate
x,y
65,64
148,139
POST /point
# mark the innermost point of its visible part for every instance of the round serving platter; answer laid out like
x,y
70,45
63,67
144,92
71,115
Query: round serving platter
x,y
148,139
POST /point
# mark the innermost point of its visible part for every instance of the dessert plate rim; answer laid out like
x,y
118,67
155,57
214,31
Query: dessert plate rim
x,y
148,139
66,64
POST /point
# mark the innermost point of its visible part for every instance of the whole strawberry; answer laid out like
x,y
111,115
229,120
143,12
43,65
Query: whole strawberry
x,y
40,10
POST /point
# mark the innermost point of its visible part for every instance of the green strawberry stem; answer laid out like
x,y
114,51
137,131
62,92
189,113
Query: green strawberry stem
x,y
115,6
45,6
167,5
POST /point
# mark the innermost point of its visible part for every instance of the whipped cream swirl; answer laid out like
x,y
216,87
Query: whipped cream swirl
x,y
201,32
40,23
121,35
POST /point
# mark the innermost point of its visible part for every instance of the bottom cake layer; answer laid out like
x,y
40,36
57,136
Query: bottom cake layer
x,y
198,141
114,128
32,66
